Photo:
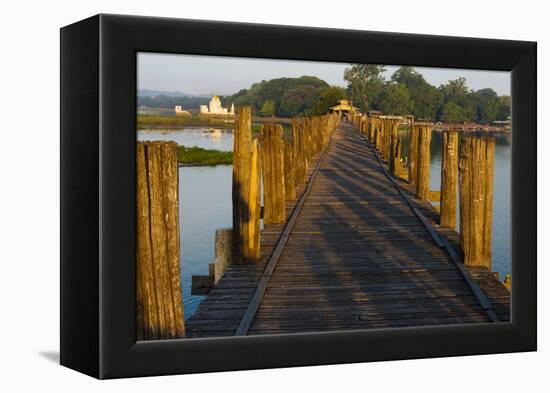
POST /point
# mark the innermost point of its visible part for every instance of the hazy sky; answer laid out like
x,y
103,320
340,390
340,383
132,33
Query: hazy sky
x,y
226,75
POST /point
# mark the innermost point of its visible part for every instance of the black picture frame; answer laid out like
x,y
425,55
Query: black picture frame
x,y
98,111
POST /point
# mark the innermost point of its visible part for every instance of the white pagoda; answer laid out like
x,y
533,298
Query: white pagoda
x,y
215,108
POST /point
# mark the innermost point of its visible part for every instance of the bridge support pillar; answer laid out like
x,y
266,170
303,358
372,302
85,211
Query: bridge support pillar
x,y
413,153
246,191
449,179
423,163
158,287
273,173
476,200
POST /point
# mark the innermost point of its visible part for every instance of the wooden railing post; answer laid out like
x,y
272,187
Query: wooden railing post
x,y
413,153
383,139
423,164
476,200
378,134
246,213
273,173
449,179
389,133
398,164
290,169
223,250
253,243
393,158
159,295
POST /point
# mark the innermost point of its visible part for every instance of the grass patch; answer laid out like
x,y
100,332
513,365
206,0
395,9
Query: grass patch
x,y
159,121
207,157
287,128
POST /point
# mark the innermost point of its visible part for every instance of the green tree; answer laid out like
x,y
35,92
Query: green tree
x,y
503,108
456,92
487,107
453,113
329,97
290,96
426,99
299,99
365,84
268,108
396,99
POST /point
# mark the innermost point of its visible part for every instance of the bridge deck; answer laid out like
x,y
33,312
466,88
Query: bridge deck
x,y
357,257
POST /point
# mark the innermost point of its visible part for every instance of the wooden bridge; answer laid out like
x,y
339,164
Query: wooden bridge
x,y
357,251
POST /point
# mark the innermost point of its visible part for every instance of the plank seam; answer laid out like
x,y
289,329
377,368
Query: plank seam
x,y
254,305
441,243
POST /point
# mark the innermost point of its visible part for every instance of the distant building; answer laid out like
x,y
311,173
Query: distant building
x,y
179,111
215,108
343,107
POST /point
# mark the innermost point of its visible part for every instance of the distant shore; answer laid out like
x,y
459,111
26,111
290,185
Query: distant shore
x,y
197,156
159,121
149,121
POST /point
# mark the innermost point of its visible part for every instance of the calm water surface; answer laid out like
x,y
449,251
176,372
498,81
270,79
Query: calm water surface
x,y
205,200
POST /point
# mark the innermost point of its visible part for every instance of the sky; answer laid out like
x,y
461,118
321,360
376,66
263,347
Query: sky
x,y
208,75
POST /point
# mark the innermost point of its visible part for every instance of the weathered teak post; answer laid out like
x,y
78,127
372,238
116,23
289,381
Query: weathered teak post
x,y
290,169
449,179
476,200
423,163
223,252
374,125
413,153
394,159
246,194
398,165
307,139
378,134
298,141
383,139
255,203
159,296
273,173
387,139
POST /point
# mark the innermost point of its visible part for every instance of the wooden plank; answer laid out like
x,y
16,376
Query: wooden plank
x,y
248,317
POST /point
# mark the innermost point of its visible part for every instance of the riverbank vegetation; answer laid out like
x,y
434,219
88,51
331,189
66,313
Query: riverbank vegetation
x,y
159,121
146,121
197,156
407,92
168,101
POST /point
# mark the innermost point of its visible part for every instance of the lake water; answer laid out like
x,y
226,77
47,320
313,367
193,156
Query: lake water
x,y
205,200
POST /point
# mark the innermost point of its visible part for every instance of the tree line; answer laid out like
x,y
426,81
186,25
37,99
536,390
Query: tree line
x,y
285,97
407,92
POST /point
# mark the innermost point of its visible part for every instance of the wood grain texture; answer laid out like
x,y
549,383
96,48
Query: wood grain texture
x,y
272,146
476,200
413,153
290,171
449,179
159,295
423,163
245,191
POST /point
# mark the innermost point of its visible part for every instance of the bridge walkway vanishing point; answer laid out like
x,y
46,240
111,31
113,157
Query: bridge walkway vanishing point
x,y
357,257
